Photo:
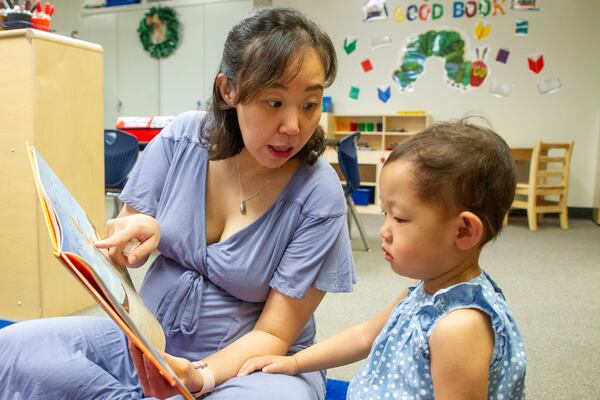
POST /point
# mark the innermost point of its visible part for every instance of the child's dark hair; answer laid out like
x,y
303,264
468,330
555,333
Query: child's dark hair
x,y
257,53
462,166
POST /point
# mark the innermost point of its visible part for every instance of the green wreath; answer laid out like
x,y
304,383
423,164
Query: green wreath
x,y
159,31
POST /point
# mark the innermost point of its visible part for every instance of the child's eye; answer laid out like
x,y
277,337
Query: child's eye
x,y
382,211
310,106
399,220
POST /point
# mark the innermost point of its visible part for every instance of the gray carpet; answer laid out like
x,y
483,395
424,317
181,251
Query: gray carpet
x,y
550,277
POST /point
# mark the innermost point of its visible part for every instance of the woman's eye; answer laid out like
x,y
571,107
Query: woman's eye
x,y
274,103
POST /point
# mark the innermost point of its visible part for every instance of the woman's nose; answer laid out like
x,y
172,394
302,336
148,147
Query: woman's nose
x,y
291,123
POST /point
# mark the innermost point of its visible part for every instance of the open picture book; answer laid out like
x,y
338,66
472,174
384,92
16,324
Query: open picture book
x,y
72,236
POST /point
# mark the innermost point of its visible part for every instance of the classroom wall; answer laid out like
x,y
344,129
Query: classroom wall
x,y
566,32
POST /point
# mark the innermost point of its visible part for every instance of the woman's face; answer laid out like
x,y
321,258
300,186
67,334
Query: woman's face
x,y
279,121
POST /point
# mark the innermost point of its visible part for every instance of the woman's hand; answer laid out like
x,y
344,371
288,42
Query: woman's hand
x,y
130,239
270,365
153,383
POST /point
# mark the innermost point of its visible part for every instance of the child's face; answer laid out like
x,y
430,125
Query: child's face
x,y
417,239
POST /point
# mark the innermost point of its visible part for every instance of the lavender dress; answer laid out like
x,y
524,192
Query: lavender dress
x,y
205,296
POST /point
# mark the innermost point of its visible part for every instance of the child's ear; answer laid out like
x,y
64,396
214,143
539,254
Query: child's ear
x,y
470,230
225,88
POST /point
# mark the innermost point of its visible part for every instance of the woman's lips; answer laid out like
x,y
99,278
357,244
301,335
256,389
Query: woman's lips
x,y
281,151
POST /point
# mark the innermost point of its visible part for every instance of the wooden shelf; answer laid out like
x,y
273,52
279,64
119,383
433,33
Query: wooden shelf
x,y
379,132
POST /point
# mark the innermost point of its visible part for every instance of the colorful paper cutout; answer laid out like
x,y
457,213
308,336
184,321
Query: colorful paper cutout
x,y
374,10
354,92
482,30
366,65
384,93
447,44
502,56
530,5
479,69
521,27
349,45
381,41
500,89
548,86
536,63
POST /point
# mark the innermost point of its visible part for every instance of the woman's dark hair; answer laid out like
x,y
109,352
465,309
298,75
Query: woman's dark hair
x,y
462,166
257,53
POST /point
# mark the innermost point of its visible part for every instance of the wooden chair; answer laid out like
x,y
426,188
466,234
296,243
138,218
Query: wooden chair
x,y
548,186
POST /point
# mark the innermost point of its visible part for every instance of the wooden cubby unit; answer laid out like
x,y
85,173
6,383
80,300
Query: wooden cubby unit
x,y
379,135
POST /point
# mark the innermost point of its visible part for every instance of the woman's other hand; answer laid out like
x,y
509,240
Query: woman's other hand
x,y
154,384
270,365
130,239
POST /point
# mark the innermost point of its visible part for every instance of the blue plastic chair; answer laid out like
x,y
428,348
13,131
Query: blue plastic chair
x,y
348,162
120,154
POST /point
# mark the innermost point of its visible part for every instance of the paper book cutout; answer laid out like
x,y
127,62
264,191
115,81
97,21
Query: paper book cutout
x,y
549,86
72,236
384,93
354,92
536,63
349,45
381,41
366,65
374,10
521,27
482,30
502,56
500,89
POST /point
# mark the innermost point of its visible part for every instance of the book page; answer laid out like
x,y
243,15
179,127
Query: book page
x,y
73,236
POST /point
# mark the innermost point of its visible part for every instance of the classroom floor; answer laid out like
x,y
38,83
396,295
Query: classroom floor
x,y
550,278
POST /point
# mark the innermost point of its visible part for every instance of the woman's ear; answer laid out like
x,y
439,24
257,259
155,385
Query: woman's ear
x,y
470,231
225,88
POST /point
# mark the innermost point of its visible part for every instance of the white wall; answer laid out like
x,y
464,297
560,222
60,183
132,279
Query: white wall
x,y
566,32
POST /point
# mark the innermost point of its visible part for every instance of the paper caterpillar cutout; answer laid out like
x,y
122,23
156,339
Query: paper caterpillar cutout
x,y
461,73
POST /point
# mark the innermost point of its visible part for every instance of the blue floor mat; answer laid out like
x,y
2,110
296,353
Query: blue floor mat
x,y
4,323
336,389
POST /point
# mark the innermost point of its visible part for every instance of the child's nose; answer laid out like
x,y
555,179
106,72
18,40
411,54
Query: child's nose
x,y
385,233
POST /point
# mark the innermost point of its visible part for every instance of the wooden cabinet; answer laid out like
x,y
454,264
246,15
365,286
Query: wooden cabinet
x,y
379,135
52,98
137,84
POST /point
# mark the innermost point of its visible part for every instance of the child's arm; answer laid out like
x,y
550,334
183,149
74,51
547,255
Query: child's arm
x,y
461,347
350,345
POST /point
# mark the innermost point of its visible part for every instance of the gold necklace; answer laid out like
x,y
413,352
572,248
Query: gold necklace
x,y
245,199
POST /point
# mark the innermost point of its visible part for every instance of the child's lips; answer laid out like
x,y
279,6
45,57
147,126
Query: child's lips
x,y
386,255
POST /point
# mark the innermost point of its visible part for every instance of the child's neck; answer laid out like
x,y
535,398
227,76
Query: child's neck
x,y
467,269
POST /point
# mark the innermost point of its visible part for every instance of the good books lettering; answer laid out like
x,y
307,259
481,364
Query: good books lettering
x,y
72,236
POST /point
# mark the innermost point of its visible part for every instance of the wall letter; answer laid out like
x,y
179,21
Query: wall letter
x,y
498,6
458,9
471,8
424,11
412,12
484,8
437,11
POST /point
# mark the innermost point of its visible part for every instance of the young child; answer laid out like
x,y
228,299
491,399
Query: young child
x,y
450,335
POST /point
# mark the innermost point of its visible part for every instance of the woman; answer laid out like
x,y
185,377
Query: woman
x,y
250,227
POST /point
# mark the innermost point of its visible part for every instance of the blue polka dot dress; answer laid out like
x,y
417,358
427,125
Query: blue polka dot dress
x,y
398,366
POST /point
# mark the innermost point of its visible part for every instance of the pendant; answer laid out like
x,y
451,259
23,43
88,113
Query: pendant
x,y
243,207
